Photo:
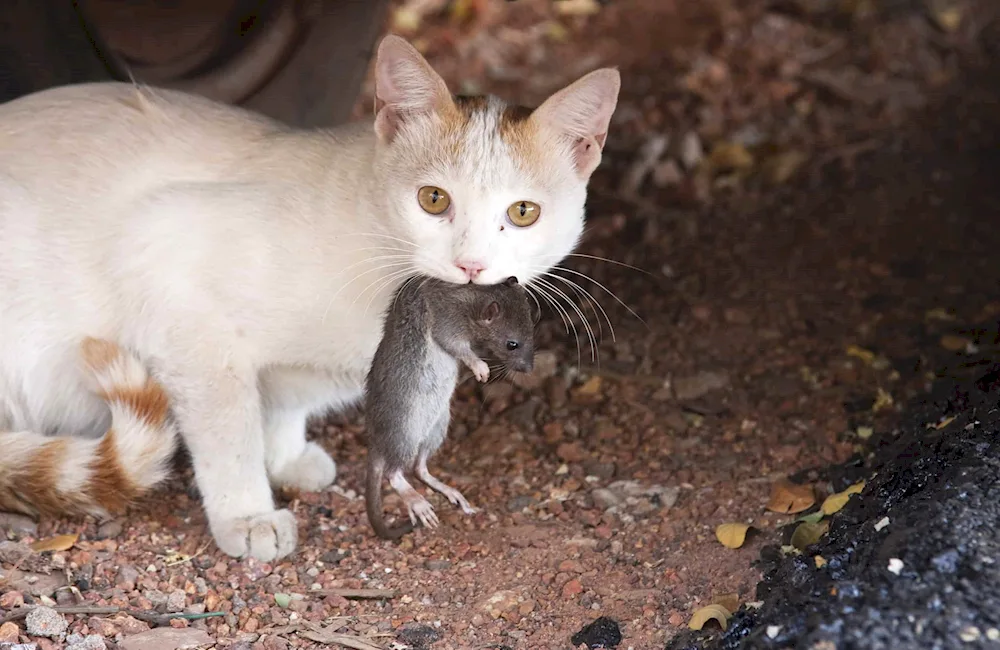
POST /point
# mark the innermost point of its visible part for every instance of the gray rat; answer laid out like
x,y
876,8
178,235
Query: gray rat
x,y
430,326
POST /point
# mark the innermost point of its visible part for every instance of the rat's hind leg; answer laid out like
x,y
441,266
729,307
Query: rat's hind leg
x,y
434,483
418,507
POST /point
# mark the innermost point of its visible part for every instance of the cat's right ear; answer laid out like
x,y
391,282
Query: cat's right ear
x,y
405,86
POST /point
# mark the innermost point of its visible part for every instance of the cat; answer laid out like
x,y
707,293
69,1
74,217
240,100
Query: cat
x,y
247,264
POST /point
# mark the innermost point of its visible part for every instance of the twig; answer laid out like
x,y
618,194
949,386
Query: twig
x,y
158,620
329,638
358,594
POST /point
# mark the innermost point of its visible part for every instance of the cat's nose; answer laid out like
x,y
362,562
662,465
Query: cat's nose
x,y
471,269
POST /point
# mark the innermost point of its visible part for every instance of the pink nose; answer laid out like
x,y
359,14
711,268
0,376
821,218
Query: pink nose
x,y
471,269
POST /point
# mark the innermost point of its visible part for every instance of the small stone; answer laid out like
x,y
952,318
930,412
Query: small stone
x,y
572,589
111,529
47,622
18,524
176,601
168,638
691,150
605,498
11,599
437,565
417,635
89,642
500,602
881,523
895,565
129,625
570,566
519,503
102,626
603,532
604,632
970,634
546,366
157,598
128,576
667,173
14,553
9,632
571,452
589,390
699,385
526,607
773,631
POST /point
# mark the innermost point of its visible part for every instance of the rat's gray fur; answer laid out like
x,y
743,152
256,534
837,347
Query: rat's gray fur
x,y
430,327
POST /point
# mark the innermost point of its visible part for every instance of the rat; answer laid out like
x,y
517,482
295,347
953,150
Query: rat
x,y
430,327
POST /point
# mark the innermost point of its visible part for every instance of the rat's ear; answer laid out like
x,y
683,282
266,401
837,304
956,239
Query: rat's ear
x,y
405,85
491,312
511,281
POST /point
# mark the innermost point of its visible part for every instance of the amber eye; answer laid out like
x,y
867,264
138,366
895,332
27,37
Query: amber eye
x,y
523,213
432,199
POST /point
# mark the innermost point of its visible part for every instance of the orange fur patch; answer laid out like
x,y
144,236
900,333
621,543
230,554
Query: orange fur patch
x,y
39,478
150,402
109,485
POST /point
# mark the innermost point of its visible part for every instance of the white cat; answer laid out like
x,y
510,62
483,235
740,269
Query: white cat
x,y
248,265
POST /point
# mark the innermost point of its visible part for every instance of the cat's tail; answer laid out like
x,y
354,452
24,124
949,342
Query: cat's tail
x,y
53,476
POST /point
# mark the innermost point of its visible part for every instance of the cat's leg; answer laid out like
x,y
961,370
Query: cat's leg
x,y
431,481
217,405
417,506
290,395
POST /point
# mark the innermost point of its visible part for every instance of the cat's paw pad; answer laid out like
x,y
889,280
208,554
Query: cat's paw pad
x,y
423,512
480,370
266,537
312,471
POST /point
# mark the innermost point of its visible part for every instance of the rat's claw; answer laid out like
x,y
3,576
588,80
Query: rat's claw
x,y
481,370
423,510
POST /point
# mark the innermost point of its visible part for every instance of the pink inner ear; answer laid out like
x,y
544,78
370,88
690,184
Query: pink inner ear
x,y
586,155
386,124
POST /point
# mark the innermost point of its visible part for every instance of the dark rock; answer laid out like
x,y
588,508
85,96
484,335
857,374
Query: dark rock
x,y
601,633
418,636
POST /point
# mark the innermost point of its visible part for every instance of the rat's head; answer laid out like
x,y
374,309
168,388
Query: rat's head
x,y
506,323
482,190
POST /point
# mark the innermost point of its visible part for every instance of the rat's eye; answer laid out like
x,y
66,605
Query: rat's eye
x,y
524,213
513,345
432,199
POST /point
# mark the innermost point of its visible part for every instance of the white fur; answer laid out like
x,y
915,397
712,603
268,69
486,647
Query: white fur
x,y
240,260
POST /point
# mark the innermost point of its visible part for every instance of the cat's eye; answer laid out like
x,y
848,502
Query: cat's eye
x,y
524,213
432,199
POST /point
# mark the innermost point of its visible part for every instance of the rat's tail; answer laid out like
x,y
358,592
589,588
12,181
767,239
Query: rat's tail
x,y
45,475
373,501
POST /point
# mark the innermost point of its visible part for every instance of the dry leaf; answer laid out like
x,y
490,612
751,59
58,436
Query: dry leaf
x,y
943,423
856,488
789,498
732,535
779,168
727,156
808,534
57,543
835,503
707,613
883,400
860,353
730,601
820,561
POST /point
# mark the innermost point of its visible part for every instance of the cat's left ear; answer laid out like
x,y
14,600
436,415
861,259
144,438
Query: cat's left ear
x,y
405,85
582,111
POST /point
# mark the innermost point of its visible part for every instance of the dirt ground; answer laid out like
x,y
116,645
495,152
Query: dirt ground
x,y
778,274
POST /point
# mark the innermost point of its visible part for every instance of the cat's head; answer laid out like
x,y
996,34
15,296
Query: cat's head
x,y
483,190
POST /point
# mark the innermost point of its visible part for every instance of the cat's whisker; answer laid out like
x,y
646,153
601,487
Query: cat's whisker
x,y
542,291
354,279
548,300
606,290
380,234
382,283
374,258
609,261
594,303
401,287
583,318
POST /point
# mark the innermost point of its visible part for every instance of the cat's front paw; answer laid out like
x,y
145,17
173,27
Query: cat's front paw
x,y
312,471
480,370
266,537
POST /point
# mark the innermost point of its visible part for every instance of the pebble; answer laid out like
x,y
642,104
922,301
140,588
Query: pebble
x,y
571,452
11,599
176,601
167,638
699,384
19,524
47,622
89,642
437,565
605,498
546,365
572,589
9,632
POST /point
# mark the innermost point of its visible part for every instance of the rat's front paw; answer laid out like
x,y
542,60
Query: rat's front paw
x,y
480,370
312,471
266,537
423,511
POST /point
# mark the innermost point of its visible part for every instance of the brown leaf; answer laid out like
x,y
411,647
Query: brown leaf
x,y
790,498
808,534
953,343
57,543
731,535
730,601
707,613
835,503
727,156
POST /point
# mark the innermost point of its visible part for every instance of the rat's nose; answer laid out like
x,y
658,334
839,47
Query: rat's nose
x,y
470,268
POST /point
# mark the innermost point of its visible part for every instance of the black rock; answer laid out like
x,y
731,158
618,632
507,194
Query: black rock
x,y
602,633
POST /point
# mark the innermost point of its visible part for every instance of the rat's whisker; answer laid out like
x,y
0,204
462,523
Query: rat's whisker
x,y
606,290
594,302
579,312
